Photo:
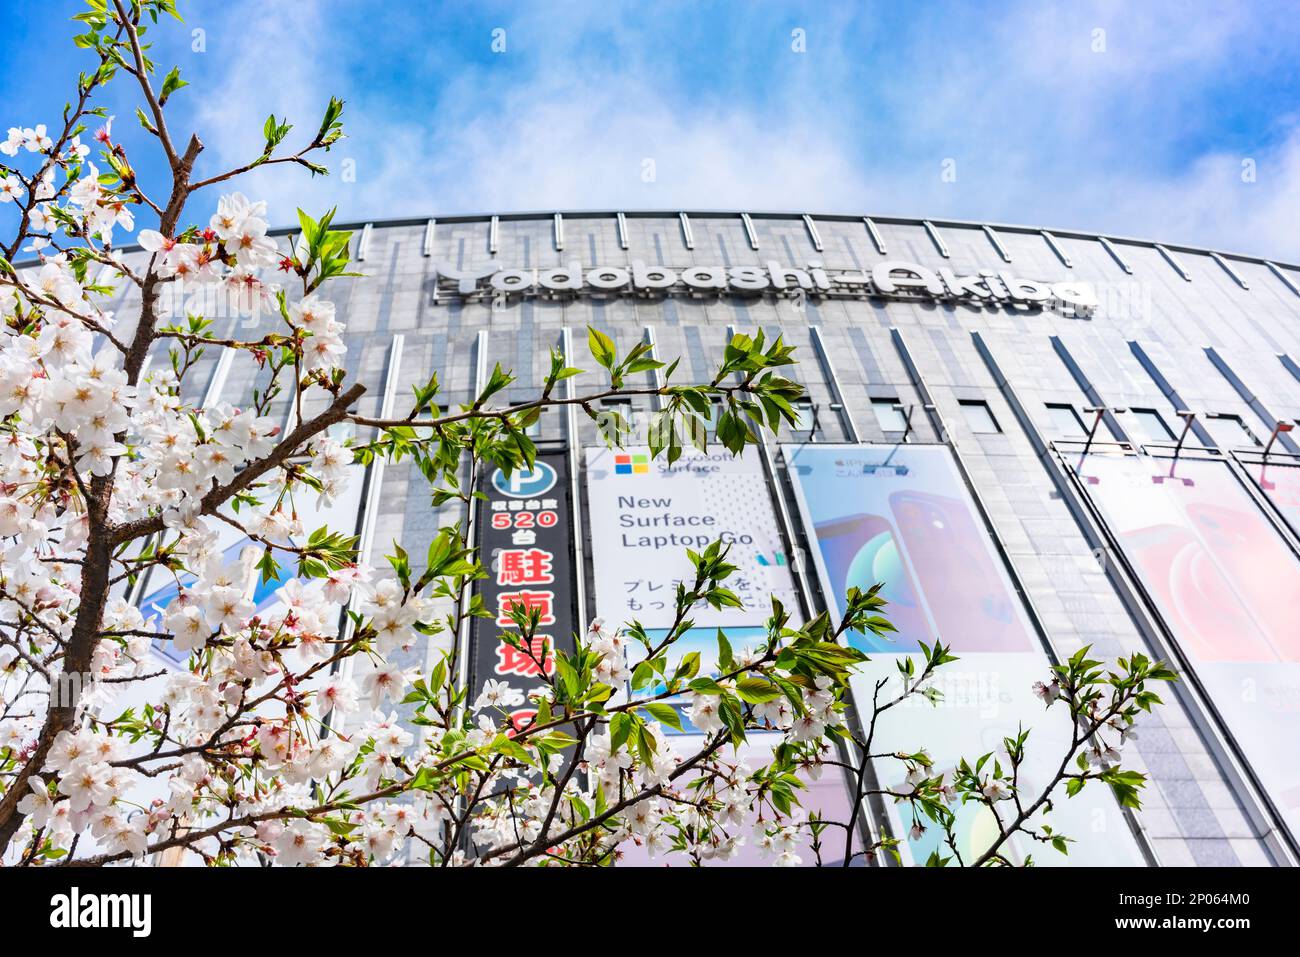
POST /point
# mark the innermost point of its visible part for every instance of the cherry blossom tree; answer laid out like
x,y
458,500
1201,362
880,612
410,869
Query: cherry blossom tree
x,y
263,747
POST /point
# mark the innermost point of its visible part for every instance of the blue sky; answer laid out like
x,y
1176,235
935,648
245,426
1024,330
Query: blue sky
x,y
1141,129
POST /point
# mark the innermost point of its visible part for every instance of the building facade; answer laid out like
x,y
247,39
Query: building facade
x,y
1102,423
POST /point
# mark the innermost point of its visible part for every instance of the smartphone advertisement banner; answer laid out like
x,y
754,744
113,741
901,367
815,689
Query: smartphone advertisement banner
x,y
645,513
902,515
1228,589
524,536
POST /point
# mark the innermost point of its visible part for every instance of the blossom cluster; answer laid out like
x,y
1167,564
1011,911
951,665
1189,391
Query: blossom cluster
x,y
708,814
241,723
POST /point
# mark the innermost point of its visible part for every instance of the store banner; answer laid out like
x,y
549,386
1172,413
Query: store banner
x,y
644,513
902,515
1227,587
525,544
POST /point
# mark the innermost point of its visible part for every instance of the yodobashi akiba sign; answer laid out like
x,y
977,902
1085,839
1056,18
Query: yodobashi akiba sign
x,y
892,279
645,513
524,541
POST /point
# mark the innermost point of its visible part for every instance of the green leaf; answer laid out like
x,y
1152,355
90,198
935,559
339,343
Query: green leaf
x,y
689,667
504,744
664,713
171,83
756,690
726,658
602,347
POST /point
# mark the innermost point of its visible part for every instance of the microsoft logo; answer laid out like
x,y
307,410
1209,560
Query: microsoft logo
x,y
631,464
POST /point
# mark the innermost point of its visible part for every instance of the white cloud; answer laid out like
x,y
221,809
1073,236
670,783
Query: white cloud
x,y
1043,129
1215,204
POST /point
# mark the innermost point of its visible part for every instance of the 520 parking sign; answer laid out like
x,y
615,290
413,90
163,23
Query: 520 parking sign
x,y
524,543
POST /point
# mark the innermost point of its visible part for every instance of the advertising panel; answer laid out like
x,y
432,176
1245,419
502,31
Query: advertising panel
x,y
645,513
524,543
1228,589
1280,483
902,515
